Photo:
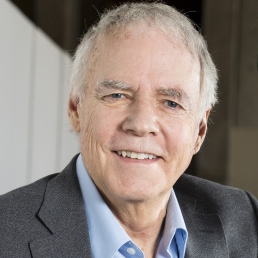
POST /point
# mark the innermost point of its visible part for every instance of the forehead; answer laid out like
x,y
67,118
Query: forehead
x,y
142,53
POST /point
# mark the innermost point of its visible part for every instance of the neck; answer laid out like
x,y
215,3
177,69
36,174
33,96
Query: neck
x,y
142,221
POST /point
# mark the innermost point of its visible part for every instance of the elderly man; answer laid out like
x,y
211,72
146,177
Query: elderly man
x,y
143,84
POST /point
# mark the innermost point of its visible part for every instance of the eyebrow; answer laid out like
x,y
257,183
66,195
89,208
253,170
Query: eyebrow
x,y
113,84
175,93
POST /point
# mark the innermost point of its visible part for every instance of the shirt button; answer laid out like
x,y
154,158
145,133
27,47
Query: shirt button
x,y
131,251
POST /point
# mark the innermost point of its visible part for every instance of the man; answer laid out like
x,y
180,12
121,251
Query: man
x,y
143,85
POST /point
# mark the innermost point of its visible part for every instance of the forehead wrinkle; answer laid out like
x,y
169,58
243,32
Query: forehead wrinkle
x,y
176,93
113,84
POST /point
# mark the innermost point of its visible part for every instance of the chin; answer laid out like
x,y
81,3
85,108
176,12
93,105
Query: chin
x,y
139,193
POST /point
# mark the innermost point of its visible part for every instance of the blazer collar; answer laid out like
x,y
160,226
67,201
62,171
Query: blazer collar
x,y
62,213
205,231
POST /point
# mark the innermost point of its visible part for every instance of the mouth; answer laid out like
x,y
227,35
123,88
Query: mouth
x,y
135,155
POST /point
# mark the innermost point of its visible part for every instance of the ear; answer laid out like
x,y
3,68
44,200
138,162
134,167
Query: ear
x,y
202,131
73,114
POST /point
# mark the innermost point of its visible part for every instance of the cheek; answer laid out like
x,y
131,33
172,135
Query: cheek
x,y
93,138
105,123
86,125
180,142
98,126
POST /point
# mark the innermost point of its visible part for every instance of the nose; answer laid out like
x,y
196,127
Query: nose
x,y
142,119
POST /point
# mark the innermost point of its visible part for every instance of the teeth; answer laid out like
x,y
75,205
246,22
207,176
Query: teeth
x,y
140,156
134,155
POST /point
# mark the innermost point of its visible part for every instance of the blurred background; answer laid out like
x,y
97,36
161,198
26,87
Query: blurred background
x,y
37,41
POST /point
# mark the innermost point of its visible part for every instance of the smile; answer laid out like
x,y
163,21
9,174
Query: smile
x,y
135,155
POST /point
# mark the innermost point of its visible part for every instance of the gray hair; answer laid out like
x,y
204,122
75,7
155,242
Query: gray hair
x,y
161,17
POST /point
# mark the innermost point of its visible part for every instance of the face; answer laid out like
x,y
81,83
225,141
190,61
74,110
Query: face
x,y
139,121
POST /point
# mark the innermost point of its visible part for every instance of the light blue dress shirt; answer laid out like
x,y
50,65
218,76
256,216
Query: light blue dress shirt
x,y
109,239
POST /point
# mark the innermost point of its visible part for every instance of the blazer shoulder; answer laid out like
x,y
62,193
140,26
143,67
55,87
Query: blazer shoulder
x,y
213,196
236,209
195,185
25,196
34,191
20,209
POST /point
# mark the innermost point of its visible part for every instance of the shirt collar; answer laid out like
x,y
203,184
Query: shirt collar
x,y
174,226
106,233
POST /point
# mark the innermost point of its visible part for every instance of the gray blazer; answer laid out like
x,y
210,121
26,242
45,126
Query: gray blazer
x,y
47,219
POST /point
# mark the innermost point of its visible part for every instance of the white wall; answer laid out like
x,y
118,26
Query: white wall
x,y
35,137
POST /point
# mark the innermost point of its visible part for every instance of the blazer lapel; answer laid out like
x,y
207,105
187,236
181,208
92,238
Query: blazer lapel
x,y
63,214
205,232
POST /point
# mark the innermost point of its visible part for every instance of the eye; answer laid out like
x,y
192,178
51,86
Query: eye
x,y
116,95
172,104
